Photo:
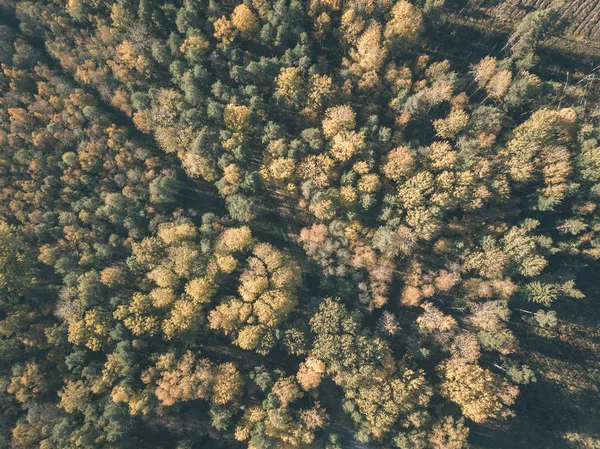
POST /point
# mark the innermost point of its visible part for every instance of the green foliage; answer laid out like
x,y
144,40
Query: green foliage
x,y
185,187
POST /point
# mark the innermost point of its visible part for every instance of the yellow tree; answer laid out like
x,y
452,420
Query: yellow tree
x,y
234,239
316,168
399,163
183,379
310,373
244,20
406,23
320,90
187,378
73,396
138,315
267,297
290,85
346,144
27,382
481,394
229,384
540,147
237,118
451,126
368,57
337,119
225,32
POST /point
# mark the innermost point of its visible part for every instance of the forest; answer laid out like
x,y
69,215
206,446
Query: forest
x,y
299,224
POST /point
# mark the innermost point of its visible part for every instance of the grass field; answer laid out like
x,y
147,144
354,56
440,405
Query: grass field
x,y
579,36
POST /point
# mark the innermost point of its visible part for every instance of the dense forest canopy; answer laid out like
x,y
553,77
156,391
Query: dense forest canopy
x,y
295,224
